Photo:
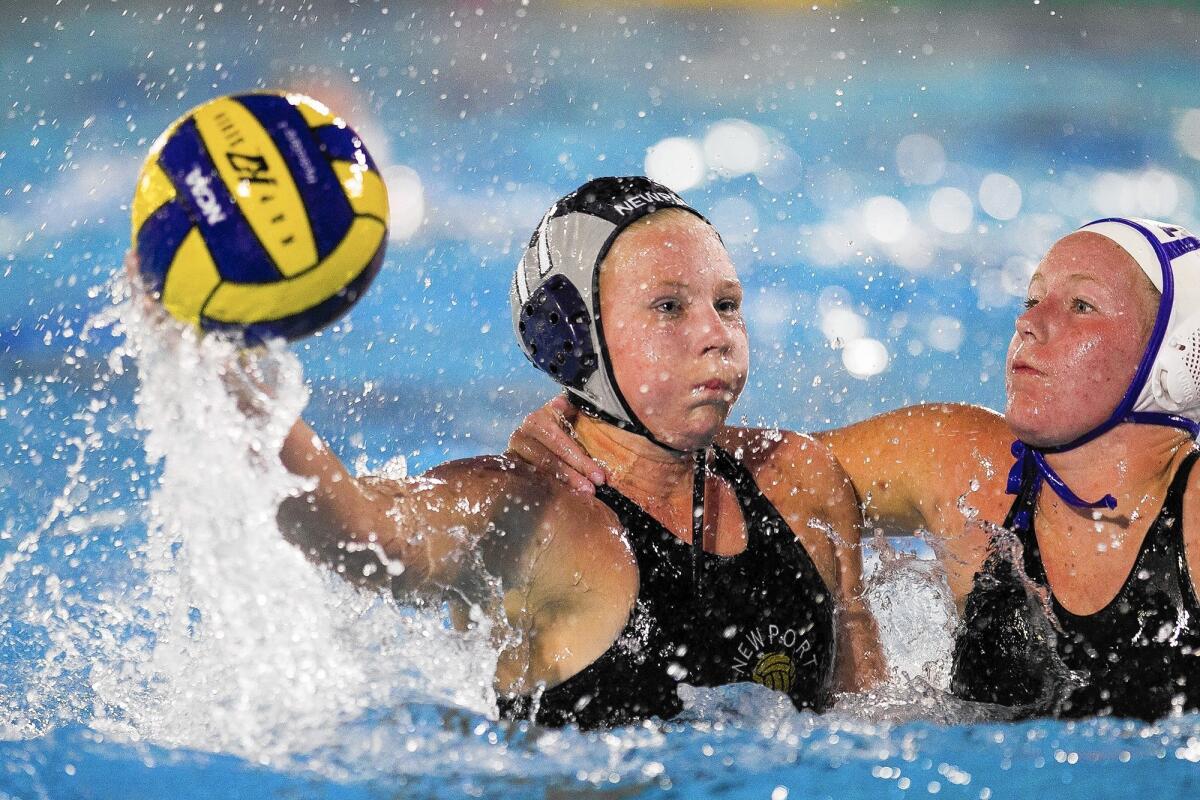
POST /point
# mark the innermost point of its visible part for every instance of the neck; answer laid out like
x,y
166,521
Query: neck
x,y
636,466
1129,462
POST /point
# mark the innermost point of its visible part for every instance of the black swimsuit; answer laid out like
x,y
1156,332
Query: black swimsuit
x,y
763,615
1139,656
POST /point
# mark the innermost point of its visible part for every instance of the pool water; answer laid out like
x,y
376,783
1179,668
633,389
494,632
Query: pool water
x,y
159,639
174,645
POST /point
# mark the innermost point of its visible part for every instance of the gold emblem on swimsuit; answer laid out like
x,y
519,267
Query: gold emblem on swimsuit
x,y
775,671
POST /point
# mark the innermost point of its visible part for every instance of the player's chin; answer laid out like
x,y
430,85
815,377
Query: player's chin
x,y
704,421
1029,421
692,426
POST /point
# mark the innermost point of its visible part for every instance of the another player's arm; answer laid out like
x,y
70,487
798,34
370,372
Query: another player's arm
x,y
907,465
543,440
860,664
834,511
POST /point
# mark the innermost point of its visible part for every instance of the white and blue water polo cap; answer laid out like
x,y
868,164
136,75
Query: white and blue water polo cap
x,y
555,294
1165,389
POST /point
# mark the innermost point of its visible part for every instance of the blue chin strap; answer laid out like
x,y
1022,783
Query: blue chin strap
x,y
1031,461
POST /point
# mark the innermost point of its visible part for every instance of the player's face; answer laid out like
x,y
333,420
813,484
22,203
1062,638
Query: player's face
x,y
1089,313
671,308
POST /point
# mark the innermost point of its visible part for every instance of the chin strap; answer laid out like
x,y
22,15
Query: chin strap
x,y
593,410
699,479
1031,461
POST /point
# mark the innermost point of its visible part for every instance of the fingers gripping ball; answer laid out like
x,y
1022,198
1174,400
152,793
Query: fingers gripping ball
x,y
261,214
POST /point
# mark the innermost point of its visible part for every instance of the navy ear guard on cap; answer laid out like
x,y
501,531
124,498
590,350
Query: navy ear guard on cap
x,y
555,333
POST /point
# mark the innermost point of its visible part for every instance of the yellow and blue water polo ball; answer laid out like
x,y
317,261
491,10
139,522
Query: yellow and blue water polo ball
x,y
260,214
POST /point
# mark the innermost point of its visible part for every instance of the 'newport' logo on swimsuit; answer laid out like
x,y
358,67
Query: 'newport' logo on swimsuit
x,y
772,656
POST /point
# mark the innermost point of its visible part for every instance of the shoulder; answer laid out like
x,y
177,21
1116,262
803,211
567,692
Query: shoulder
x,y
515,511
952,437
807,486
504,486
549,532
787,464
934,446
937,450
933,422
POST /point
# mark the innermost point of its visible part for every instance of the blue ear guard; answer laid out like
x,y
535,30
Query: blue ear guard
x,y
555,328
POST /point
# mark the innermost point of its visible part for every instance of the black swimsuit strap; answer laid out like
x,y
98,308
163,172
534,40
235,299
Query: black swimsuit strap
x,y
1174,505
1178,487
750,497
738,475
1172,508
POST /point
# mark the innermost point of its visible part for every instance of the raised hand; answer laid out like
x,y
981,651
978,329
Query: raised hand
x,y
545,440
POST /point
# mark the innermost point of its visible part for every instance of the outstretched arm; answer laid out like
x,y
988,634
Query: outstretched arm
x,y
409,534
909,466
363,528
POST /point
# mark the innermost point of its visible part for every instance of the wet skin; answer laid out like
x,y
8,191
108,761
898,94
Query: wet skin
x,y
671,305
1088,315
942,468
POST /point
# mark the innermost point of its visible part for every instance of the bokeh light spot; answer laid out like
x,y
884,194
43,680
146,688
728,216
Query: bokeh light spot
x,y
864,358
951,210
406,199
676,162
734,147
1000,196
920,159
886,219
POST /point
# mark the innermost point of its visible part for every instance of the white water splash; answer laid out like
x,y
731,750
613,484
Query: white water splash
x,y
914,608
218,635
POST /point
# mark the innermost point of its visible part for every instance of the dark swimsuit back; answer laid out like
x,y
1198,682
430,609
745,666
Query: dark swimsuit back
x,y
1139,656
763,615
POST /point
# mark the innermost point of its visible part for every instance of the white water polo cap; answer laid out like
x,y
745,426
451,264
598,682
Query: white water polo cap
x,y
555,295
1168,377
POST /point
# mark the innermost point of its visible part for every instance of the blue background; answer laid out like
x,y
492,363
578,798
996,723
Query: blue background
x,y
500,107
